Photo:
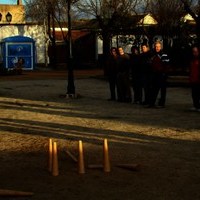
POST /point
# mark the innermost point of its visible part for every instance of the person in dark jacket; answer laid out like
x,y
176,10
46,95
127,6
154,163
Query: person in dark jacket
x,y
123,81
136,76
111,72
195,78
146,71
159,63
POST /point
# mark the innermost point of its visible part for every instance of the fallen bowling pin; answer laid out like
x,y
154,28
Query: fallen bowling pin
x,y
95,166
131,167
73,157
14,193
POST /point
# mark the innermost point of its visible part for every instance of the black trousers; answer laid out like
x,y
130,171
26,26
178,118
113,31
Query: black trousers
x,y
137,89
196,95
147,84
123,87
159,83
112,85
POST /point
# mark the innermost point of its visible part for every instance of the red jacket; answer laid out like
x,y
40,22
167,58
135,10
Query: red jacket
x,y
159,62
195,71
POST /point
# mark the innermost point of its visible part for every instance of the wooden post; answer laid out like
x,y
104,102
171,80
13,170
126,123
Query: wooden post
x,y
81,165
50,155
106,159
55,171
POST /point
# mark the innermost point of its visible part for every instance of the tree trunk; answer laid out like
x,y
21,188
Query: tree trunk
x,y
70,86
106,47
52,36
54,57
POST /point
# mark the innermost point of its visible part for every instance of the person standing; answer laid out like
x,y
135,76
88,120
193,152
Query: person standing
x,y
159,62
195,78
136,76
146,72
111,72
123,81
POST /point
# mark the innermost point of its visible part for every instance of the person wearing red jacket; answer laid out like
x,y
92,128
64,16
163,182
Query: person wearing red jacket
x,y
159,64
195,77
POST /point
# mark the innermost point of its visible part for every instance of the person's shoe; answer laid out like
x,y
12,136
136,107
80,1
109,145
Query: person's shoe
x,y
160,106
136,102
128,100
144,103
150,106
111,99
193,109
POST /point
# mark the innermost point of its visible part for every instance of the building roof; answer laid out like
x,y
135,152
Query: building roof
x,y
147,20
188,19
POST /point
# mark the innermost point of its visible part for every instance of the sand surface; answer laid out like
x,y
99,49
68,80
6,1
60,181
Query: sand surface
x,y
164,142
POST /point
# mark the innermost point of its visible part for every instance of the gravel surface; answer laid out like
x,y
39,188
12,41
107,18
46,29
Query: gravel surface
x,y
164,142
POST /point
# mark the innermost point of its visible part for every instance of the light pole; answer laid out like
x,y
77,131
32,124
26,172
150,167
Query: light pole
x,y
70,86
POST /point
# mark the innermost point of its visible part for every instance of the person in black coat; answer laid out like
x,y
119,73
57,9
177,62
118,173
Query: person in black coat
x,y
146,72
136,75
123,81
112,72
159,63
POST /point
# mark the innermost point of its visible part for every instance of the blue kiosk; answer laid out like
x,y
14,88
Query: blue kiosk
x,y
18,49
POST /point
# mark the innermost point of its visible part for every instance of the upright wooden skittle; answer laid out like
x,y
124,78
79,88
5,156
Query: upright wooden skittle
x,y
81,165
55,170
106,159
50,155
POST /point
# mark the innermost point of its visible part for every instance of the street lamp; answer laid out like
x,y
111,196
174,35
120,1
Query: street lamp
x,y
71,86
8,17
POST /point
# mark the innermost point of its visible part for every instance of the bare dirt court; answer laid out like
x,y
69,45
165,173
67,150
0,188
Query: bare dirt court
x,y
165,142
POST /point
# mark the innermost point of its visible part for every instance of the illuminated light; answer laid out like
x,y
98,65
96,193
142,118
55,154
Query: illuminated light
x,y
60,29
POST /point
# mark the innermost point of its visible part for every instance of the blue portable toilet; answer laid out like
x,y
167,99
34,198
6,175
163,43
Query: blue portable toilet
x,y
15,48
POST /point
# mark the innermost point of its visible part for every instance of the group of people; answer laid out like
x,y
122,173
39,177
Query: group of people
x,y
145,72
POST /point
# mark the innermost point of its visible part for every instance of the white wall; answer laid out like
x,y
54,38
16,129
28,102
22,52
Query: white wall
x,y
36,32
126,45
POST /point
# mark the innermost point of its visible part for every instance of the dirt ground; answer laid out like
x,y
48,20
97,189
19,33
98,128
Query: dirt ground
x,y
165,142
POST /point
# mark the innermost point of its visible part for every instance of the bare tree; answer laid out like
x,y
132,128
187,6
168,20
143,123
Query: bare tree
x,y
168,14
54,14
111,16
193,8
